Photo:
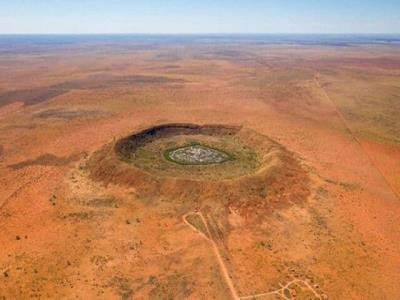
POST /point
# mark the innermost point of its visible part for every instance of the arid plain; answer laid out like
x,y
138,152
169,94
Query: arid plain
x,y
308,210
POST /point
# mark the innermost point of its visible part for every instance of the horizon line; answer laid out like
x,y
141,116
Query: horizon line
x,y
199,33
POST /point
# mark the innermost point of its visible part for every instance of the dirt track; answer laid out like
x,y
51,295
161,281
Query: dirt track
x,y
225,272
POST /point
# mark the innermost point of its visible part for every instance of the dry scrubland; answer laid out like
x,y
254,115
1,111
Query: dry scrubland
x,y
77,221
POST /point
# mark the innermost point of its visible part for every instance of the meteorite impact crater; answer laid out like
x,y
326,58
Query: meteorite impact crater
x,y
235,166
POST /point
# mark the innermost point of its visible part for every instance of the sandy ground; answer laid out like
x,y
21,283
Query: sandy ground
x,y
65,236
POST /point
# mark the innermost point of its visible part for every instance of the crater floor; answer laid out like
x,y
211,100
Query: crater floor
x,y
196,155
209,152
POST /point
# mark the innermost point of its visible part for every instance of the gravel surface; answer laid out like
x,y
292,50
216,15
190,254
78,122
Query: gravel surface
x,y
198,154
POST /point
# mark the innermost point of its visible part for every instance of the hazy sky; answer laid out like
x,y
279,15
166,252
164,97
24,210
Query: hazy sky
x,y
199,16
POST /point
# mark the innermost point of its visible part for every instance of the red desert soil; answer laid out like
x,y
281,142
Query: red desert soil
x,y
66,232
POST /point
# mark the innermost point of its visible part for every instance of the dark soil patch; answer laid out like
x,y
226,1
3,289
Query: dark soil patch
x,y
106,81
64,114
37,95
177,286
123,287
31,96
47,160
101,202
81,216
